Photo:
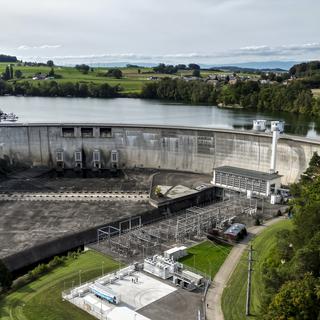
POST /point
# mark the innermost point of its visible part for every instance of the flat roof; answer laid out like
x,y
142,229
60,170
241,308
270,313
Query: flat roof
x,y
248,173
175,249
191,275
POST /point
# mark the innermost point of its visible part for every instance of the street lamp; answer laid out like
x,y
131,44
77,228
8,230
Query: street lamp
x,y
79,277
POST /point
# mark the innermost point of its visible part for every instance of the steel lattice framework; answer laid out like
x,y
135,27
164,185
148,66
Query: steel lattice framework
x,y
192,222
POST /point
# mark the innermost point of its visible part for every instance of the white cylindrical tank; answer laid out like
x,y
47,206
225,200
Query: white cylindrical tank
x,y
277,126
259,125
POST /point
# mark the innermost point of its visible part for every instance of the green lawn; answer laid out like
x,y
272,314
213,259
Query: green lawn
x,y
234,295
41,299
206,257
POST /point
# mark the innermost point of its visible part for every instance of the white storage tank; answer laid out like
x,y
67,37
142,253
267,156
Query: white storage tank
x,y
277,126
259,125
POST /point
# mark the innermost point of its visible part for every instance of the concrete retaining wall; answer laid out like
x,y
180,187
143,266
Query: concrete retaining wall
x,y
178,148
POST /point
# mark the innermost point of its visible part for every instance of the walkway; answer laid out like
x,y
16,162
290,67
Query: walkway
x,y
213,298
141,196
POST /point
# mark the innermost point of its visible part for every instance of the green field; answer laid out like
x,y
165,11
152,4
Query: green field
x,y
131,82
206,257
41,299
234,295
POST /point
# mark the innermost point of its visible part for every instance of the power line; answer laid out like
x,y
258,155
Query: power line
x,y
249,281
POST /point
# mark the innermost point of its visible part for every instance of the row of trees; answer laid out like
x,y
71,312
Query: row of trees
x,y
9,73
7,58
291,273
61,89
171,69
295,97
305,69
114,72
6,279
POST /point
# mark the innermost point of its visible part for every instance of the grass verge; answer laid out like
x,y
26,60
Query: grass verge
x,y
206,257
41,299
234,295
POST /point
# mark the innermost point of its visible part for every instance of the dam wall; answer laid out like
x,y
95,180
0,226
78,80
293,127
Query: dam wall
x,y
174,148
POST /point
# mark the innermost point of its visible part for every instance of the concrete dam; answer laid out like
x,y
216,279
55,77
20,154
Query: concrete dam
x,y
161,147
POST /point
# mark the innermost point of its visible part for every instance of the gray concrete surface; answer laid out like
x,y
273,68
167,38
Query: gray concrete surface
x,y
24,224
179,305
36,206
174,148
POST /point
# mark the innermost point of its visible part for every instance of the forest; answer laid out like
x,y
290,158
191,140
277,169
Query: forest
x,y
291,271
294,97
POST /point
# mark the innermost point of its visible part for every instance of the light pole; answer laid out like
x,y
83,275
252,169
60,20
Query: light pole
x,y
79,277
102,268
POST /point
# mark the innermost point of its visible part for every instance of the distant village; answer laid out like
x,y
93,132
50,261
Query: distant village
x,y
233,78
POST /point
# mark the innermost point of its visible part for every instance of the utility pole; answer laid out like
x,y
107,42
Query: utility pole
x,y
249,281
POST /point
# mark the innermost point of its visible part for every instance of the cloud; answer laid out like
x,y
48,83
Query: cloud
x,y
265,50
43,46
249,53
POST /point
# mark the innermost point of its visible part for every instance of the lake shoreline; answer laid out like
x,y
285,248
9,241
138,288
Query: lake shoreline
x,y
149,112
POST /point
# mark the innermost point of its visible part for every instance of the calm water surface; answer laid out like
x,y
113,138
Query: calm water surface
x,y
138,111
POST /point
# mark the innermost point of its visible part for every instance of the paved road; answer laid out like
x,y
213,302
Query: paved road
x,y
213,298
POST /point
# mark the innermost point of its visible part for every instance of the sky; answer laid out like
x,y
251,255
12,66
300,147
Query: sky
x,y
170,31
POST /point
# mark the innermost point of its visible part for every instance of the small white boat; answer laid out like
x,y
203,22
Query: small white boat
x,y
11,117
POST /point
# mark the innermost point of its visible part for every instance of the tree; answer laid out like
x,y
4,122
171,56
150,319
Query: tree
x,y
181,66
313,170
5,277
51,73
158,192
193,66
296,300
18,74
196,73
6,58
83,68
6,74
116,73
50,63
11,71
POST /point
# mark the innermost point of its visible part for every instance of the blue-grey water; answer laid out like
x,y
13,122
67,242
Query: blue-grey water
x,y
139,111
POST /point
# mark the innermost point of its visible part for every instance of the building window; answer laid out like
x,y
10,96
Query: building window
x,y
86,132
59,156
78,156
68,132
96,156
105,133
114,157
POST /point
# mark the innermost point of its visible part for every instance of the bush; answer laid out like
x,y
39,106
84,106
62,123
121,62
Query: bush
x,y
257,222
5,277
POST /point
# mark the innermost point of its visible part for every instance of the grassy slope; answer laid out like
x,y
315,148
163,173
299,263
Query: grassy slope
x,y
206,257
41,299
131,82
234,296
